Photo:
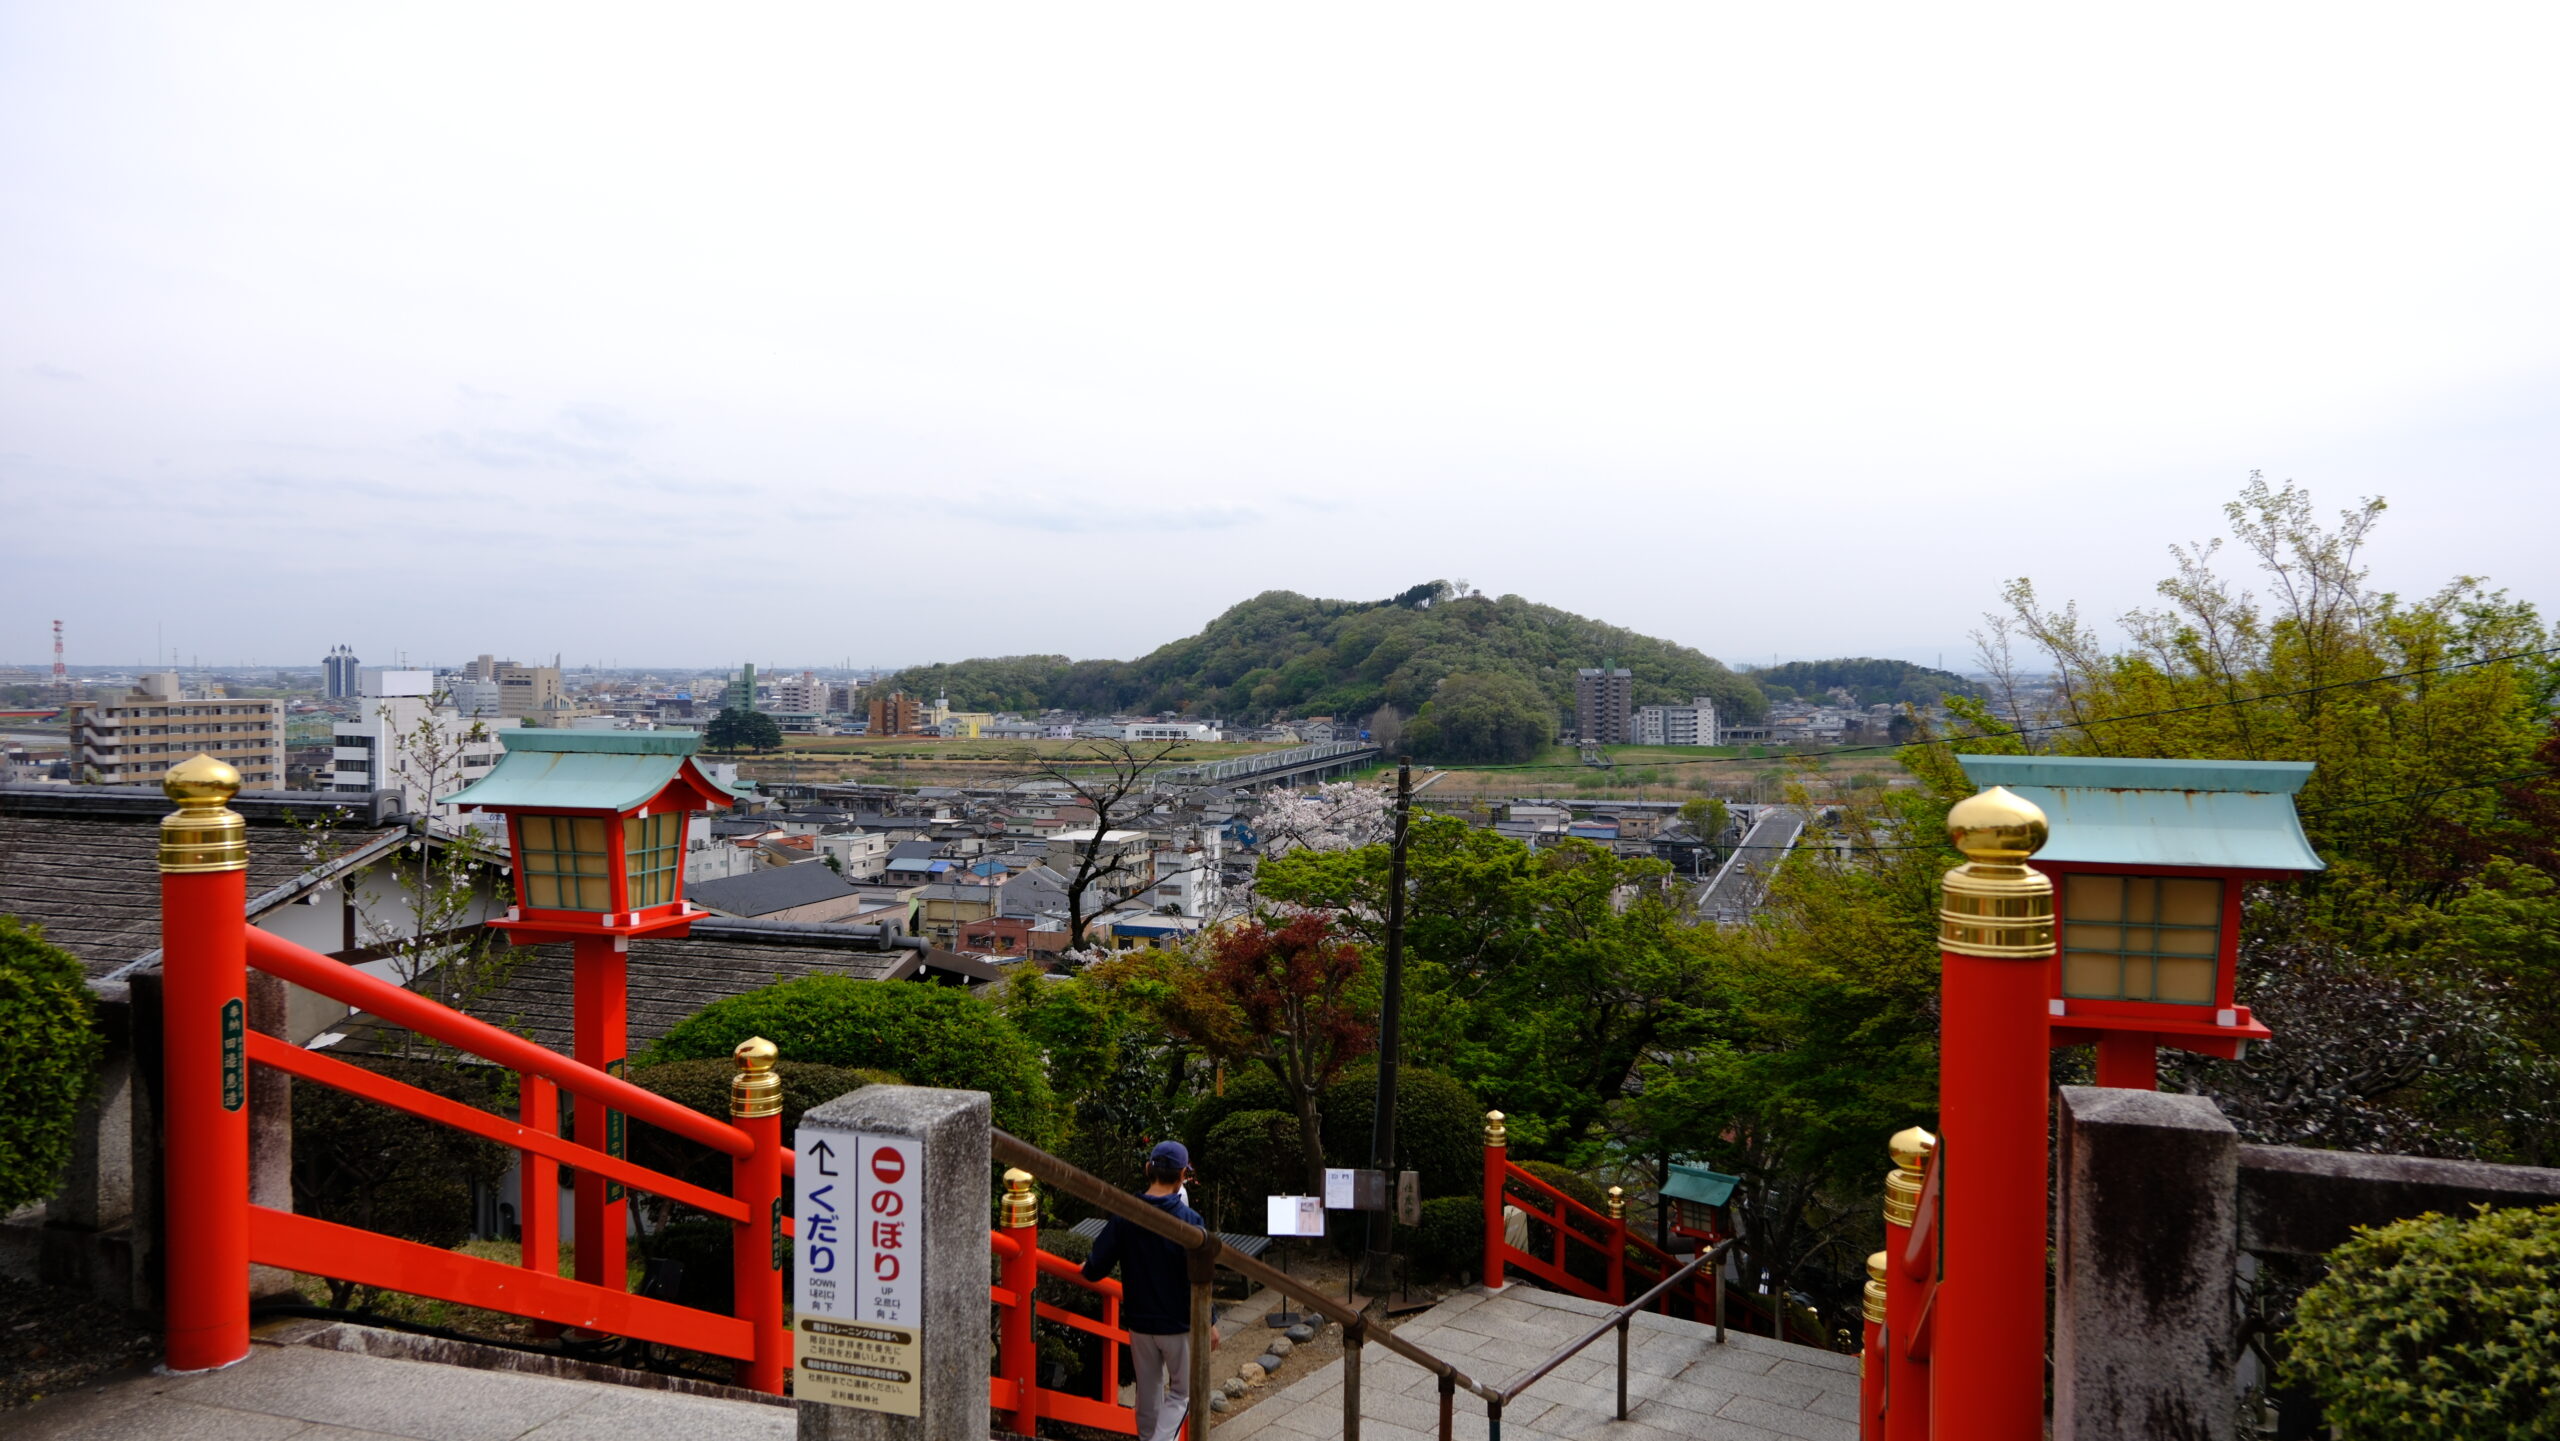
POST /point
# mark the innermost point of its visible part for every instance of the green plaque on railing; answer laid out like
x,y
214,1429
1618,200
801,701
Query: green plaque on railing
x,y
235,1055
614,1137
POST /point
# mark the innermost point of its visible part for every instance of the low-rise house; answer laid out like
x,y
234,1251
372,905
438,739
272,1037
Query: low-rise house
x,y
809,891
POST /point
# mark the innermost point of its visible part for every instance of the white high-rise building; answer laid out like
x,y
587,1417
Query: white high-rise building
x,y
1693,724
402,740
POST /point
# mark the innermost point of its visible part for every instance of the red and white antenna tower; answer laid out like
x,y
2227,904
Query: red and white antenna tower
x,y
61,676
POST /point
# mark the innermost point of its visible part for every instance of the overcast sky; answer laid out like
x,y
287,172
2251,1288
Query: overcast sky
x,y
696,334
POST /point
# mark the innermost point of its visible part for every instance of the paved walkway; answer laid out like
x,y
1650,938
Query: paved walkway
x,y
305,1393
1681,1385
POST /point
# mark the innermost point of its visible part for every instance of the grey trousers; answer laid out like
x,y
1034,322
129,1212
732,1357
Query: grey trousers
x,y
1163,1364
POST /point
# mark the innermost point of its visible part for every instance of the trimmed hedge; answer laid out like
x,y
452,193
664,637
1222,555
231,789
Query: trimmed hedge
x,y
368,1166
49,1049
1247,1156
1439,1125
704,1086
2433,1329
929,1035
1449,1240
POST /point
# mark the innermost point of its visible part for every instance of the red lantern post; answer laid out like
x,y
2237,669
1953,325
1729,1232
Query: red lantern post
x,y
595,829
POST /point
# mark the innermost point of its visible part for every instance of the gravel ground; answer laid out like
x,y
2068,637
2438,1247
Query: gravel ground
x,y
52,1341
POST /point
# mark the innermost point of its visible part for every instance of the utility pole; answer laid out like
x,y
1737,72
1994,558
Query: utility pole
x,y
1382,1132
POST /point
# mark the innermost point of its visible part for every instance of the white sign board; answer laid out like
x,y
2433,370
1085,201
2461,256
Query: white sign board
x,y
1295,1216
1337,1189
859,1277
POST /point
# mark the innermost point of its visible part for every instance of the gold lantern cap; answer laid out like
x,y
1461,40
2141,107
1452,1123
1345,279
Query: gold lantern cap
x,y
1495,1133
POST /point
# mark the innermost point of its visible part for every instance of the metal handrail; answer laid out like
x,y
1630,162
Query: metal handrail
x,y
1618,1321
1206,1251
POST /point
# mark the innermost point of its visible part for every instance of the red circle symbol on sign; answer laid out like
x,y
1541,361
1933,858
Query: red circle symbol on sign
x,y
888,1165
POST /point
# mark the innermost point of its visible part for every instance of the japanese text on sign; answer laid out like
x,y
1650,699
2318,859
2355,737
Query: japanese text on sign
x,y
860,1280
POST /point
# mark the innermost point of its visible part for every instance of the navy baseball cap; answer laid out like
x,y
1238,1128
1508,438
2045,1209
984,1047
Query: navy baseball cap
x,y
1170,1151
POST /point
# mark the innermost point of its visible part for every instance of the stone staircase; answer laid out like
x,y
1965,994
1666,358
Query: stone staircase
x,y
1680,1383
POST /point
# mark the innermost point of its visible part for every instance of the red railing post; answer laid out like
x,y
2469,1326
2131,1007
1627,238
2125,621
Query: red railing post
x,y
538,1183
755,1250
1617,1246
1873,1368
1496,1142
600,1024
1906,1378
1996,941
204,865
1017,1353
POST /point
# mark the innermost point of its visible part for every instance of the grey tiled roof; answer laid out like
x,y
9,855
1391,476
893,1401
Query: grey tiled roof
x,y
774,888
83,861
667,980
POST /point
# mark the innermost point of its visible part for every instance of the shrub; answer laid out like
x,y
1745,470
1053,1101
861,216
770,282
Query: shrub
x,y
1249,1155
1247,1088
371,1167
1439,1126
2438,1328
704,1086
48,1060
1449,1239
929,1035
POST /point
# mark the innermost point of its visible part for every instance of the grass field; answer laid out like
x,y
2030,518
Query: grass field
x,y
1664,773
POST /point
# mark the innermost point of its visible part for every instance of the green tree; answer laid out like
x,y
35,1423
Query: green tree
x,y
1483,716
742,730
49,1049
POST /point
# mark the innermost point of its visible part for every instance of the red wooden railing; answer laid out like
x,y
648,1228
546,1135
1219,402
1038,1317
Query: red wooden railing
x,y
1631,1265
1020,1401
1896,1394
754,1338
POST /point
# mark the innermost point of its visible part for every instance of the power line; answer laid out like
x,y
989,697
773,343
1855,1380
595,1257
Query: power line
x,y
2060,726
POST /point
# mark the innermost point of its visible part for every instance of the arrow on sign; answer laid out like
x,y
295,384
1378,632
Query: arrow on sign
x,y
819,1152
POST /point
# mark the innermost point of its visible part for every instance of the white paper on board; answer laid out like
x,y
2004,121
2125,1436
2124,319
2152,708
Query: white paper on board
x,y
1337,1189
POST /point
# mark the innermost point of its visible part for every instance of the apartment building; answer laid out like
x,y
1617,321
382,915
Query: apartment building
x,y
134,738
1603,706
402,740
899,714
1693,724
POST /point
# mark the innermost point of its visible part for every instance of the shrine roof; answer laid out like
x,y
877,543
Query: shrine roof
x,y
591,770
2211,815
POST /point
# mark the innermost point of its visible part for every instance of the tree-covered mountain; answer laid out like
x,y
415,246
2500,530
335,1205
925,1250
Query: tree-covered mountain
x,y
1283,654
1873,682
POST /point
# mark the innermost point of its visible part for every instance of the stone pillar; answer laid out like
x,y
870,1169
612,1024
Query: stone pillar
x,y
2148,1219
947,1133
270,1127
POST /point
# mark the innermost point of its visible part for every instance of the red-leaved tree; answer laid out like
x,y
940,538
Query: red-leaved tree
x,y
1281,996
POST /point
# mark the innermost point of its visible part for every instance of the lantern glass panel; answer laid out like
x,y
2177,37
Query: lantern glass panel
x,y
567,866
652,849
2141,938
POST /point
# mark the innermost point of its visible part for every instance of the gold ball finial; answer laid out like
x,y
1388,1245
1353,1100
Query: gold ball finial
x,y
203,834
1872,1305
755,1090
199,780
1997,827
1495,1133
1617,1203
1021,1205
1910,1149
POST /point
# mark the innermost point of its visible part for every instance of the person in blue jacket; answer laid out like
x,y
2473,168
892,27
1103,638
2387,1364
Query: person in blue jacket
x,y
1155,1295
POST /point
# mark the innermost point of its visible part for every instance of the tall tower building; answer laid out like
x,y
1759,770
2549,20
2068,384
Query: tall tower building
x,y
338,674
1604,706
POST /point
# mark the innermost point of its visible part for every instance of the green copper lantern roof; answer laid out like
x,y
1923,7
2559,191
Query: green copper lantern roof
x,y
1699,1186
2210,815
570,770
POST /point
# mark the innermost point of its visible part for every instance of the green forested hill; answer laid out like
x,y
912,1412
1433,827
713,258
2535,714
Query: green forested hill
x,y
1281,653
1873,682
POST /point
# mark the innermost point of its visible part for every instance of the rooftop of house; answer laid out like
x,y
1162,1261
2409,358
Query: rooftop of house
x,y
774,888
83,861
